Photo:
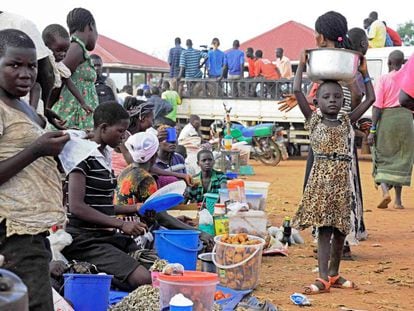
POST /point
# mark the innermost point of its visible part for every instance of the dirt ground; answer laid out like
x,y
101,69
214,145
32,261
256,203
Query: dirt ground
x,y
383,265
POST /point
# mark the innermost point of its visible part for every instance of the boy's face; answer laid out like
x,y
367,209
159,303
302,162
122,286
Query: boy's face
x,y
112,135
330,98
168,147
196,123
59,47
18,71
206,162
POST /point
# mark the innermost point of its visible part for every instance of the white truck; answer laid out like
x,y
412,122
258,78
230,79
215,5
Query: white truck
x,y
205,98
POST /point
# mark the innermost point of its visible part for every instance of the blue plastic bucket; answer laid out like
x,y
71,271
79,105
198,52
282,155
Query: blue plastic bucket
x,y
88,291
178,246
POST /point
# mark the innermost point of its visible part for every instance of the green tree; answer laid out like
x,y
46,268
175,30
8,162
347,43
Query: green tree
x,y
406,32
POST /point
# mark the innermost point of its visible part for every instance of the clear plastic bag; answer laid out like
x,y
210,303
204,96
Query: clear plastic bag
x,y
173,269
76,150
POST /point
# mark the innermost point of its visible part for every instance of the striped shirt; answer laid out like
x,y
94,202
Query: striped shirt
x,y
174,60
196,193
190,60
99,192
176,164
347,106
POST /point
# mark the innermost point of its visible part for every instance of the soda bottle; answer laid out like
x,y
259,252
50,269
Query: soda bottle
x,y
287,231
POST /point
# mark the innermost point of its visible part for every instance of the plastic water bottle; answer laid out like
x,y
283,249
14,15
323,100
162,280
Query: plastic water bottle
x,y
228,142
287,231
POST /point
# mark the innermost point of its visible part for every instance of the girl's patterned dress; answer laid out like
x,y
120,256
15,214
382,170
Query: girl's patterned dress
x,y
327,199
68,106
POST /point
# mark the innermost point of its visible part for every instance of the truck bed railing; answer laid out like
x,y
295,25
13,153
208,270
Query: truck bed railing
x,y
240,88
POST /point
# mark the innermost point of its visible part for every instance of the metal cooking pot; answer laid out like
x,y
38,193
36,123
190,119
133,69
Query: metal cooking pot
x,y
332,64
207,264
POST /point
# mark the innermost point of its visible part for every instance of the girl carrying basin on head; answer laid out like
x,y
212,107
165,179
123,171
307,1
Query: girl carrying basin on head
x,y
327,198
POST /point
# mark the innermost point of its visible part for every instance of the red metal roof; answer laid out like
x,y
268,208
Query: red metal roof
x,y
116,54
292,36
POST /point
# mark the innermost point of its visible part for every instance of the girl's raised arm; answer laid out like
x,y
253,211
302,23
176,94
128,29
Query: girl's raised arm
x,y
297,87
357,113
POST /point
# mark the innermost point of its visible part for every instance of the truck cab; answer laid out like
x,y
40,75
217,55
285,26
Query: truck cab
x,y
377,59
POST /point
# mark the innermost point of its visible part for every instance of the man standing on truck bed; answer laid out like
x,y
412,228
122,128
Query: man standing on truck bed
x,y
215,61
264,68
174,58
233,66
377,33
190,62
284,65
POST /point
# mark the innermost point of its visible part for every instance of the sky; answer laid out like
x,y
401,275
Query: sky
x,y
151,26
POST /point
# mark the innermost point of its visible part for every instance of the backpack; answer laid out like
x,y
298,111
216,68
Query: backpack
x,y
103,91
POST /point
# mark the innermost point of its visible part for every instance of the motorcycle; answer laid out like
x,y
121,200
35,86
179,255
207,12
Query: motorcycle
x,y
266,141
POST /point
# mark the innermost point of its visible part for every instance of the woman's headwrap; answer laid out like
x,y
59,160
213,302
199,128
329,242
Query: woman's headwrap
x,y
140,110
142,146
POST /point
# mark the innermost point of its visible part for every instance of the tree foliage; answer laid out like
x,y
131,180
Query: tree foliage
x,y
406,32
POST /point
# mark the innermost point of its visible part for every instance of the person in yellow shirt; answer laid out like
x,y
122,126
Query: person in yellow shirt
x,y
377,32
174,99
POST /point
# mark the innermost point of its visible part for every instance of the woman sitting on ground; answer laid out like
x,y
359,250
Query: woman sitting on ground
x,y
135,183
142,119
92,221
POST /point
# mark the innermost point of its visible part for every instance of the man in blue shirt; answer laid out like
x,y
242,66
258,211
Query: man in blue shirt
x,y
215,61
234,66
174,58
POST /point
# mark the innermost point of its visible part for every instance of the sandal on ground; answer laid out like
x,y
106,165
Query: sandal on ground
x,y
314,289
384,202
339,282
398,206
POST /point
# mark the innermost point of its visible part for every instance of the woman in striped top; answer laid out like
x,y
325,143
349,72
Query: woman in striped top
x,y
92,221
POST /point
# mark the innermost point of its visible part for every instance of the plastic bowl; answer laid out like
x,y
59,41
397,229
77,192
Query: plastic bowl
x,y
257,186
254,198
332,64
